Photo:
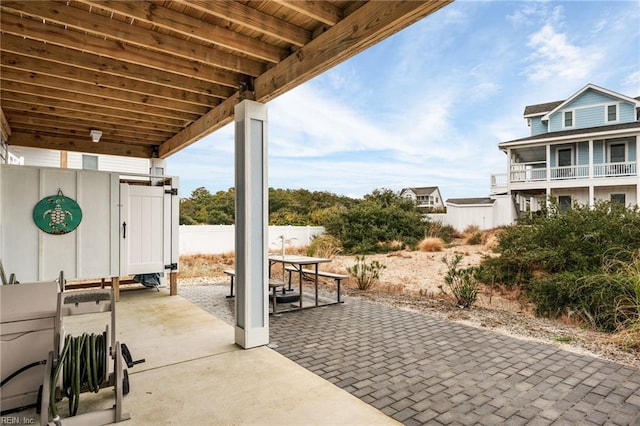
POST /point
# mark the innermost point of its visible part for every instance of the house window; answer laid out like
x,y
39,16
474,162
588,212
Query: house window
x,y
89,162
619,198
612,113
617,153
565,157
568,119
564,203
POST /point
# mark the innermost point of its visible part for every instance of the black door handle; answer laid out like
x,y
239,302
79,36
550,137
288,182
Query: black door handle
x,y
124,230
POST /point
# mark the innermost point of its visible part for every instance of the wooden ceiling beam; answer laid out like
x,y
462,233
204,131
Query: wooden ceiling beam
x,y
85,134
74,74
80,144
45,83
32,118
123,32
127,54
153,13
322,11
215,119
4,126
94,63
69,105
255,20
78,98
368,25
97,118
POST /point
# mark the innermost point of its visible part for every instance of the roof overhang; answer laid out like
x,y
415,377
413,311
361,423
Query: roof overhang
x,y
156,76
604,132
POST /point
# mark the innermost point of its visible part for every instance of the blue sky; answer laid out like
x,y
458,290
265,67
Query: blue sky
x,y
428,106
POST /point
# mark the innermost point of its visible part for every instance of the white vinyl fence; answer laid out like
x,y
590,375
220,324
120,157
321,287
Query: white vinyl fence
x,y
216,239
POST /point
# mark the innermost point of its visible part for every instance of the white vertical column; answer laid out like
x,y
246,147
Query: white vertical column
x,y
591,189
252,312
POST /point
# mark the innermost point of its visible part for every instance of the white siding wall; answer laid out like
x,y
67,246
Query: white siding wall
x,y
461,217
604,193
36,156
111,163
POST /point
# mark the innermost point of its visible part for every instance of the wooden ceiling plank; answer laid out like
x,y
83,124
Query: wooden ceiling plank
x,y
70,105
104,26
368,25
54,112
69,122
82,98
322,11
12,24
215,119
84,134
65,56
154,13
4,126
73,74
248,17
82,145
45,82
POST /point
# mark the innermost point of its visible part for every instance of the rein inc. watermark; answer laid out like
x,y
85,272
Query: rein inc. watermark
x,y
17,420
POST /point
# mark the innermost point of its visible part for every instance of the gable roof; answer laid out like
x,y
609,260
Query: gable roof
x,y
425,190
591,87
539,109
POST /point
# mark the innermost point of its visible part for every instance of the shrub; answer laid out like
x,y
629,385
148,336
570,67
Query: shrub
x,y
431,244
474,239
366,275
325,246
463,283
437,230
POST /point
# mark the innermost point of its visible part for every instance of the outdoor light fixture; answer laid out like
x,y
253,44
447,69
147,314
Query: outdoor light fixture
x,y
95,135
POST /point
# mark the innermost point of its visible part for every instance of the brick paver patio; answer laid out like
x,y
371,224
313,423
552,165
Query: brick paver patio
x,y
422,370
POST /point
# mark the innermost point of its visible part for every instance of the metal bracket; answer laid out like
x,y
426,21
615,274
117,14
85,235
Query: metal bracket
x,y
171,266
172,191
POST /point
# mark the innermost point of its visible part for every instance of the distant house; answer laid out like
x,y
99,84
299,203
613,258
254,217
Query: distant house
x,y
427,197
582,149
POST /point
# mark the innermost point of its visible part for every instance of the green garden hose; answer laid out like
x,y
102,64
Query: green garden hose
x,y
84,365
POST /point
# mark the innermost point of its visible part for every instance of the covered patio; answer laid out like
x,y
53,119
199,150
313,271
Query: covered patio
x,y
153,77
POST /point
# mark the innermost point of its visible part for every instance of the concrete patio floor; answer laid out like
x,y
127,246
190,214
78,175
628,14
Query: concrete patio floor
x,y
195,375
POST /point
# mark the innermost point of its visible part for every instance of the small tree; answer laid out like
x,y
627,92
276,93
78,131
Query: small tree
x,y
463,283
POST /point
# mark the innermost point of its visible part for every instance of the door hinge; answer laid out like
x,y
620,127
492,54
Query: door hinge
x,y
172,191
171,266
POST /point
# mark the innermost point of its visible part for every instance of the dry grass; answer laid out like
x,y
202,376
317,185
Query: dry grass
x,y
205,265
431,244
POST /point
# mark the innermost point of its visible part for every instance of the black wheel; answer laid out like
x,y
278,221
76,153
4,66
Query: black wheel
x,y
125,383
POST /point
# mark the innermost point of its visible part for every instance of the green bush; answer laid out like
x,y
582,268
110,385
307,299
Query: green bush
x,y
365,274
575,262
325,246
462,283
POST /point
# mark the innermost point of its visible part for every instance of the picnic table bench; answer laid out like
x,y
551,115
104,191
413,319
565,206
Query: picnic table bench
x,y
273,286
309,273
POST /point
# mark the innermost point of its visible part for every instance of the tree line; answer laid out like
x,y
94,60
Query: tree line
x,y
370,224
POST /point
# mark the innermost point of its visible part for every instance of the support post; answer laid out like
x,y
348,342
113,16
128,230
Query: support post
x,y
252,312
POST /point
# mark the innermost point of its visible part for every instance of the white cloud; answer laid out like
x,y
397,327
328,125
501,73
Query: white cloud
x,y
631,83
554,56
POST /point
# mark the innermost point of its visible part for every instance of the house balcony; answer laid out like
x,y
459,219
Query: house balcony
x,y
539,172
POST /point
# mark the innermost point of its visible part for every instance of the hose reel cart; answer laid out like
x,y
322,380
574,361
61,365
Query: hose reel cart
x,y
80,364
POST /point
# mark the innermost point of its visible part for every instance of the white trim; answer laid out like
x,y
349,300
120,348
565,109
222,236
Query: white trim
x,y
606,113
564,120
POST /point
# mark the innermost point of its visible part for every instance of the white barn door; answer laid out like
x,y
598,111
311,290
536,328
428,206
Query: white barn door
x,y
143,223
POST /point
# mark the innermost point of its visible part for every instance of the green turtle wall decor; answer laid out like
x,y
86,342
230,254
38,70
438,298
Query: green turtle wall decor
x,y
57,214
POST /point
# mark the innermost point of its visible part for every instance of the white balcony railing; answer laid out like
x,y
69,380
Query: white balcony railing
x,y
535,172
